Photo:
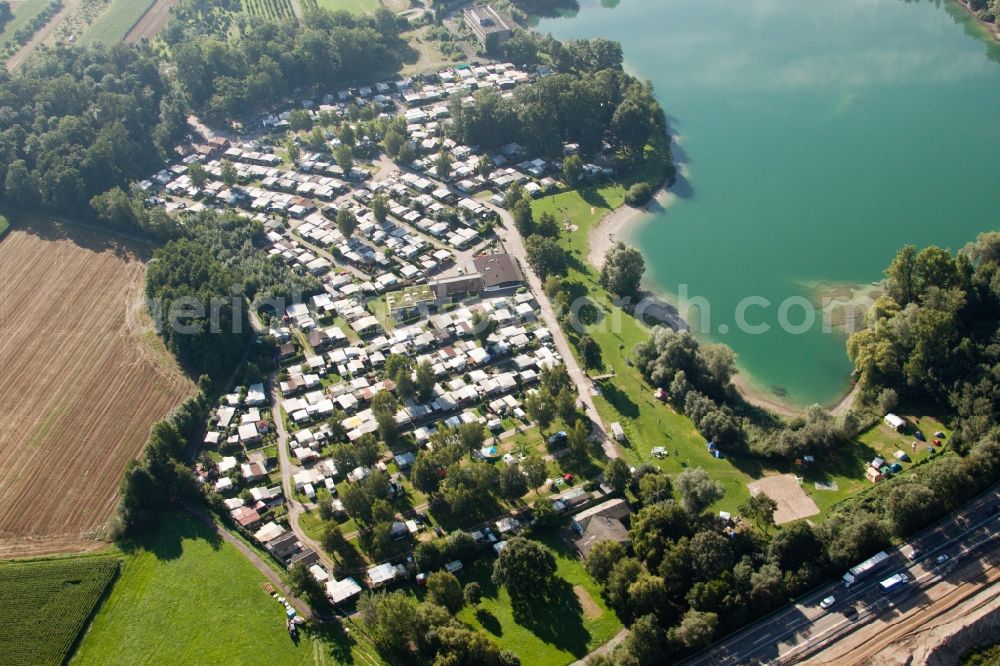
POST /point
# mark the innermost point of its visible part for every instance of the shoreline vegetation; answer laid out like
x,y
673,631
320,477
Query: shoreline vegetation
x,y
992,29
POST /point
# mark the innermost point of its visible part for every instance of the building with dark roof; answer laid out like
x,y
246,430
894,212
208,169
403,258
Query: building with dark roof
x,y
461,285
487,25
499,271
602,522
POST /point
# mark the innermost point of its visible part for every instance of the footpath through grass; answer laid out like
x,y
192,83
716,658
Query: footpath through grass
x,y
184,596
45,605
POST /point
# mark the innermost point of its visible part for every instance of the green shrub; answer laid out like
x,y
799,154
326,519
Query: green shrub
x,y
639,195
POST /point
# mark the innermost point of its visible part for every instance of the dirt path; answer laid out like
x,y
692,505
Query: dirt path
x,y
151,22
22,54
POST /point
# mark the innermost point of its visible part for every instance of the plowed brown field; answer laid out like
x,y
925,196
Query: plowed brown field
x,y
82,379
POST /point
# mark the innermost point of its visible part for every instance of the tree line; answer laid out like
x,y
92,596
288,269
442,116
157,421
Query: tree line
x,y
201,285
932,335
690,579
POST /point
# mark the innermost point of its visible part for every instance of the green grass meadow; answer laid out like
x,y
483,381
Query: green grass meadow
x,y
184,596
551,633
353,6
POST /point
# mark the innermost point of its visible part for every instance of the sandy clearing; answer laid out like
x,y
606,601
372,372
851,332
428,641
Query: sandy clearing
x,y
793,502
590,608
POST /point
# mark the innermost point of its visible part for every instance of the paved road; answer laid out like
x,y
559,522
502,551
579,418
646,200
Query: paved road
x,y
794,632
288,468
514,245
917,624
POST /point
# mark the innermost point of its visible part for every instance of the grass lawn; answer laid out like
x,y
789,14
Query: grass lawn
x,y
23,13
550,634
115,21
627,398
423,54
47,603
312,524
353,6
186,597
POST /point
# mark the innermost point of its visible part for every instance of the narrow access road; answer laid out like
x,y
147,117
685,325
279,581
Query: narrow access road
x,y
514,245
288,469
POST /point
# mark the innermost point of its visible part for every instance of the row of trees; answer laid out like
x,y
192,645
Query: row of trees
x,y
151,485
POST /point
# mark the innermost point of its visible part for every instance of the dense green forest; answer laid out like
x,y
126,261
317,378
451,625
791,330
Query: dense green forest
x,y
75,122
933,335
216,265
231,65
589,100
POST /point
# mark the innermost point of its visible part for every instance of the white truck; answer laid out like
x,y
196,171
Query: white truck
x,y
894,583
866,568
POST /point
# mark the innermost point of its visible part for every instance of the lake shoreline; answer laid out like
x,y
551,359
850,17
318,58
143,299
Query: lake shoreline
x,y
619,225
992,29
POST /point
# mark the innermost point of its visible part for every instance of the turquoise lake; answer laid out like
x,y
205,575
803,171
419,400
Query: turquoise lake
x,y
817,138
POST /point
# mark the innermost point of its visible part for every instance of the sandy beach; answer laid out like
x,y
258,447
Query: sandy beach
x,y
616,224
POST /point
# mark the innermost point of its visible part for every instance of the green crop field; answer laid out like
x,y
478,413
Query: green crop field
x,y
116,21
187,597
46,603
269,8
353,6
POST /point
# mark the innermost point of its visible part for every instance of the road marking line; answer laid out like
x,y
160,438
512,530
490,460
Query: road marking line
x,y
762,639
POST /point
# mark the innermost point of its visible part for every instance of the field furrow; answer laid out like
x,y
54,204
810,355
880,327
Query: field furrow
x,y
82,384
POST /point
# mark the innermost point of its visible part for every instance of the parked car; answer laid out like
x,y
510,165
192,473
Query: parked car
x,y
919,435
828,602
914,554
558,438
941,559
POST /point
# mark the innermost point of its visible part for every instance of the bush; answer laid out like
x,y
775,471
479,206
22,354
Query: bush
x,y
639,195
